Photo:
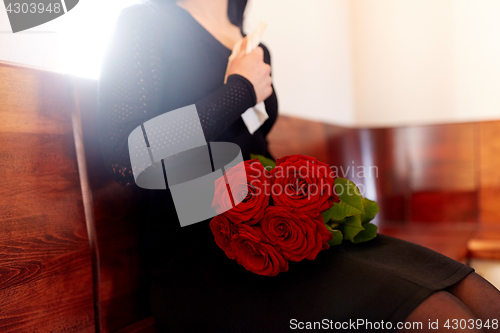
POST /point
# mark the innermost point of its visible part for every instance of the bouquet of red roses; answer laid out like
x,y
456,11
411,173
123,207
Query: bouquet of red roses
x,y
288,210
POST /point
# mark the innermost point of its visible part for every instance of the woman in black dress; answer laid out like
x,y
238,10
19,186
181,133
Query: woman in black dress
x,y
166,55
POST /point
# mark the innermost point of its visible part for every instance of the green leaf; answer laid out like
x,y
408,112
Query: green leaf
x,y
333,225
349,193
268,163
351,227
369,233
351,201
371,209
342,210
337,236
327,214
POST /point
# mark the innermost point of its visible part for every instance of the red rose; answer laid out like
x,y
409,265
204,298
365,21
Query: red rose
x,y
223,230
253,253
251,192
325,234
303,183
294,234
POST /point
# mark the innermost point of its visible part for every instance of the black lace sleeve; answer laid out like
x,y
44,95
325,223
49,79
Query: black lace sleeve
x,y
131,89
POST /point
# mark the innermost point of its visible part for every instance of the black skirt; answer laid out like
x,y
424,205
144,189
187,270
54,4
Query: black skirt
x,y
385,279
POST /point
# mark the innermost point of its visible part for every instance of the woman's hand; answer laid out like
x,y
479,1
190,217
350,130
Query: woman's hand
x,y
254,69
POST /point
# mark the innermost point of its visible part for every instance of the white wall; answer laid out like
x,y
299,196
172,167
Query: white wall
x,y
425,61
35,47
403,61
72,43
477,59
349,62
310,48
384,62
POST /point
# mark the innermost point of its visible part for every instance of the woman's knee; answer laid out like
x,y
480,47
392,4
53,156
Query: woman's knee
x,y
439,313
476,292
481,297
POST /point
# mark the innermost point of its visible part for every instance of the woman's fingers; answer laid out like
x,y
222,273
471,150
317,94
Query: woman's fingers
x,y
258,52
269,88
253,68
268,69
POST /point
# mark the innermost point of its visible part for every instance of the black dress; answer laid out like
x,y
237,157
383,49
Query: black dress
x,y
160,59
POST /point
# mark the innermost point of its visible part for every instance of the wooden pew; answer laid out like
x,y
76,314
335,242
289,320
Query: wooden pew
x,y
71,252
45,262
118,215
437,185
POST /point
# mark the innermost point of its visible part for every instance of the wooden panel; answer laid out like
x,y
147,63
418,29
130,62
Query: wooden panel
x,y
442,157
297,136
449,239
444,206
45,267
443,173
385,150
420,174
486,243
374,159
423,173
489,141
119,214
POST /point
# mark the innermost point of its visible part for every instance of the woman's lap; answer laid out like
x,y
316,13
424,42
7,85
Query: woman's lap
x,y
384,279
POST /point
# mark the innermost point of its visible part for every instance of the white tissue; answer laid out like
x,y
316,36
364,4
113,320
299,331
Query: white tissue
x,y
255,116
